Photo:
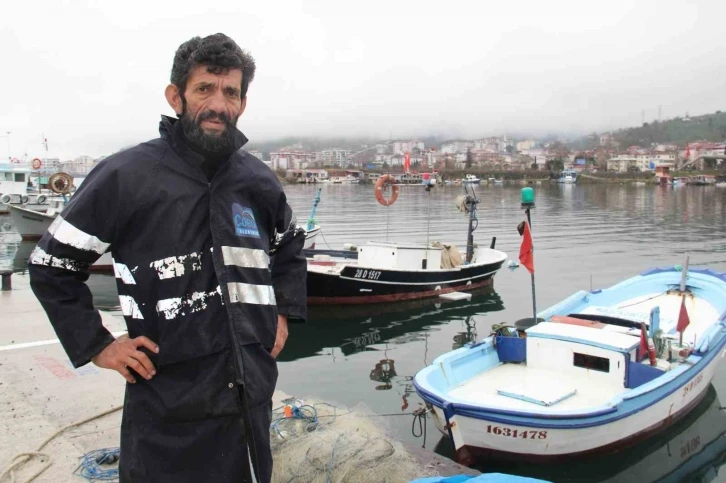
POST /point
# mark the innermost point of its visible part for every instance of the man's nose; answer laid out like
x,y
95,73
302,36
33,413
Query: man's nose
x,y
217,102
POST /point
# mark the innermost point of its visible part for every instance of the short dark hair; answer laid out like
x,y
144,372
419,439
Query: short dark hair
x,y
219,53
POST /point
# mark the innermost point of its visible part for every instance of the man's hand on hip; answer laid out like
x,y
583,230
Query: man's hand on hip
x,y
124,353
281,336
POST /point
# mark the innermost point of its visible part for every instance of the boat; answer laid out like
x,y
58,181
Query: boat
x,y
498,181
694,446
702,180
568,177
580,382
14,180
312,228
393,272
470,179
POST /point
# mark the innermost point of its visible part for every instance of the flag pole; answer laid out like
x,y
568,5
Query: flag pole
x,y
684,276
527,204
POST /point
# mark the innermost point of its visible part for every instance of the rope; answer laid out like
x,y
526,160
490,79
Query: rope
x,y
642,301
326,241
22,458
90,467
419,416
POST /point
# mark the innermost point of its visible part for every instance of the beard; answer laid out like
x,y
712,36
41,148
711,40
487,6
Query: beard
x,y
215,143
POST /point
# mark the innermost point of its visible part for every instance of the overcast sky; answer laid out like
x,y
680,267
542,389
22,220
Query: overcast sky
x,y
91,75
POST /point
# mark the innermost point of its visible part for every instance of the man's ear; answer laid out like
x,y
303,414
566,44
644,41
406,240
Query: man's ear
x,y
243,106
174,99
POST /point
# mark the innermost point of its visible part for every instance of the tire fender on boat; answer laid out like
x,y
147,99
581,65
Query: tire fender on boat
x,y
42,199
6,199
24,199
384,180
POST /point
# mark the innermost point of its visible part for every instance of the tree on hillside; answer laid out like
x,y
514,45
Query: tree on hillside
x,y
555,165
469,158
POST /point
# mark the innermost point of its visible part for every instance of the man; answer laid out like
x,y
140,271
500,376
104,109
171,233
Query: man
x,y
208,263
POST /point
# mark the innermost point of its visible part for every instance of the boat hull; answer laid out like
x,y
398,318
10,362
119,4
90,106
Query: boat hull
x,y
30,224
360,285
310,236
492,434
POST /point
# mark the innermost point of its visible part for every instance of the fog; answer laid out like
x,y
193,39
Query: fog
x,y
90,76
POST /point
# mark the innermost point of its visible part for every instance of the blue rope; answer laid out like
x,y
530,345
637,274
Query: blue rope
x,y
90,467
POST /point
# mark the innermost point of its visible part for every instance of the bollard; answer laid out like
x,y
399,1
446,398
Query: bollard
x,y
7,283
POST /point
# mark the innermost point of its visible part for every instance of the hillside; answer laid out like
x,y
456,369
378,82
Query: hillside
x,y
709,127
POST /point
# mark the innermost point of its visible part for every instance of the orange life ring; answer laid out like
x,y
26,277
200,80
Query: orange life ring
x,y
384,180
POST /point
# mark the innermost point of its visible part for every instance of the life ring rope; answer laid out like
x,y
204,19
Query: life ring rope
x,y
382,182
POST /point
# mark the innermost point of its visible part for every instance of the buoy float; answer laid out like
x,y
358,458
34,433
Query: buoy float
x,y
384,180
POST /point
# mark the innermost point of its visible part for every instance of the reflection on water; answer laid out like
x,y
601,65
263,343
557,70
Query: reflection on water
x,y
583,235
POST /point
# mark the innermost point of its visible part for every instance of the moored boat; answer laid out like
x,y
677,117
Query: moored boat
x,y
392,272
470,179
585,380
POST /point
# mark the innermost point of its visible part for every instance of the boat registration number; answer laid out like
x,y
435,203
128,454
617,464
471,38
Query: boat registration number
x,y
367,274
516,433
695,382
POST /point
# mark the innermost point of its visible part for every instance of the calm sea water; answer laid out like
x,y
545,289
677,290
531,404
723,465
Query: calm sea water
x,y
589,236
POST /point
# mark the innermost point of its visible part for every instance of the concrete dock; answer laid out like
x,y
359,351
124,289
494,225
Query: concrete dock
x,y
41,392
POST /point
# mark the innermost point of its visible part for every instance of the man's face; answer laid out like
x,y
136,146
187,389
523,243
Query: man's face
x,y
211,107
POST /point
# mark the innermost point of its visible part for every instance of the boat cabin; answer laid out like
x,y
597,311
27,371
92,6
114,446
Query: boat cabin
x,y
399,256
14,180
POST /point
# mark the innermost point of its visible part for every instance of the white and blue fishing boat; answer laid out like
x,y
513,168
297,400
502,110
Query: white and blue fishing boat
x,y
581,381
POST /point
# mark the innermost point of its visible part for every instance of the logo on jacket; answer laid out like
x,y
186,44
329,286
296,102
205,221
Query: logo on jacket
x,y
244,221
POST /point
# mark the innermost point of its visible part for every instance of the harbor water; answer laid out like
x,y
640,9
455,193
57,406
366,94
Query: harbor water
x,y
585,236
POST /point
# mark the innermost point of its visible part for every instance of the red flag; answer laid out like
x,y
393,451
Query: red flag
x,y
643,341
406,163
683,320
526,257
688,151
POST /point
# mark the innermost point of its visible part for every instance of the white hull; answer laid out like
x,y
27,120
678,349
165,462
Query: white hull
x,y
30,224
310,237
551,443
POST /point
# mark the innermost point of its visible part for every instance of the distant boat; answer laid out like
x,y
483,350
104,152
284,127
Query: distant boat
x,y
470,179
581,382
568,177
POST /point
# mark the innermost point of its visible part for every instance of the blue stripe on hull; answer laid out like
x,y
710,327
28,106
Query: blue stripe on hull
x,y
627,407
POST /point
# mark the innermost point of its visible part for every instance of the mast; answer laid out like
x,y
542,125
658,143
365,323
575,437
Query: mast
x,y
311,220
471,202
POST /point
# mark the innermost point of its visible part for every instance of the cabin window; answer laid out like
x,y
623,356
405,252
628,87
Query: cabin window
x,y
20,177
595,363
8,176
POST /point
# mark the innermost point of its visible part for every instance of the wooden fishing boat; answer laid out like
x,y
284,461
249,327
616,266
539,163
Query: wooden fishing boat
x,y
392,272
585,380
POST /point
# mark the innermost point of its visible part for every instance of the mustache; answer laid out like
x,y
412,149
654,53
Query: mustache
x,y
214,116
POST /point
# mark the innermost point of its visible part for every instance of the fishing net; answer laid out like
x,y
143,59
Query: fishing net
x,y
317,442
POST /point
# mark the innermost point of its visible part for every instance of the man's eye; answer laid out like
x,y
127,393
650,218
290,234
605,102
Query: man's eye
x,y
203,88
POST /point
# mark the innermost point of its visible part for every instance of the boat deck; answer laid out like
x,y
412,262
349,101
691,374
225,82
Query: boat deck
x,y
482,390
